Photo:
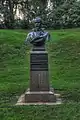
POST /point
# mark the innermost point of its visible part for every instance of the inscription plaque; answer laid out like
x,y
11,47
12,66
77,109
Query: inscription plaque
x,y
39,61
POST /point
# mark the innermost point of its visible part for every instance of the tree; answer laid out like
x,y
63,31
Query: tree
x,y
61,13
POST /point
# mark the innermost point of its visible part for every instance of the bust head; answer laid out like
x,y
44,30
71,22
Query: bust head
x,y
37,21
38,36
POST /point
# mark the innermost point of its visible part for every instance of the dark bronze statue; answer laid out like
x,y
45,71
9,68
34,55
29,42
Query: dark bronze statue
x,y
38,36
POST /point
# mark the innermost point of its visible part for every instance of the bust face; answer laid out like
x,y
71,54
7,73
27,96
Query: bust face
x,y
37,25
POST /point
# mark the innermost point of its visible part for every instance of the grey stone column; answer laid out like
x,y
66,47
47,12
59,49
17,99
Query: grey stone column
x,y
39,76
40,90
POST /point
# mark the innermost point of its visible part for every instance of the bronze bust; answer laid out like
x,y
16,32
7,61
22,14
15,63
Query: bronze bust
x,y
38,36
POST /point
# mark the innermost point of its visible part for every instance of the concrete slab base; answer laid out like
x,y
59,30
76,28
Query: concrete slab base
x,y
30,98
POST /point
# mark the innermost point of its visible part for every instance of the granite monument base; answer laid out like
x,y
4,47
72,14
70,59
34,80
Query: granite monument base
x,y
39,78
39,98
39,91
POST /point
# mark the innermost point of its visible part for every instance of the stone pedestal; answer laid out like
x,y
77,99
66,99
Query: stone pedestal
x,y
39,78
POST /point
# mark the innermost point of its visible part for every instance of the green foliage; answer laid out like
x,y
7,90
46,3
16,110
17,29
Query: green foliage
x,y
59,14
65,15
7,12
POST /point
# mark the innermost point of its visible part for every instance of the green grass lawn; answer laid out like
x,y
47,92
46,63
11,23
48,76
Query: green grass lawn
x,y
64,70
